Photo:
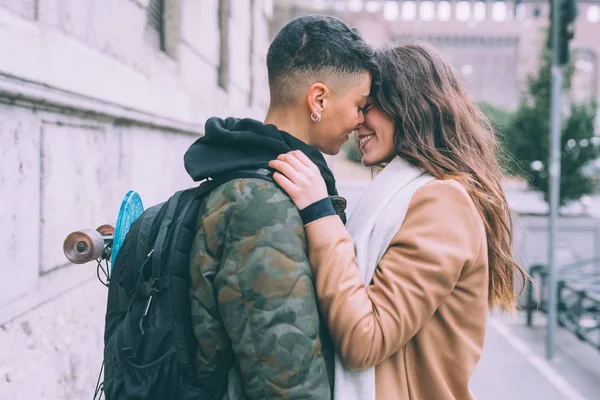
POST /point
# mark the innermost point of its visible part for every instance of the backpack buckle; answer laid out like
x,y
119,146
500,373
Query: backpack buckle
x,y
149,289
141,324
154,286
339,205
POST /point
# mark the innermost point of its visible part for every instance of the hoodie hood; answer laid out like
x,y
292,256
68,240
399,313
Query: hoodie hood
x,y
233,144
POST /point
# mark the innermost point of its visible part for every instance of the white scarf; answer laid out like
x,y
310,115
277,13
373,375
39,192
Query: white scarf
x,y
372,224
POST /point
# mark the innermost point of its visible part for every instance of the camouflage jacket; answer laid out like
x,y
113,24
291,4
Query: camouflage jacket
x,y
253,297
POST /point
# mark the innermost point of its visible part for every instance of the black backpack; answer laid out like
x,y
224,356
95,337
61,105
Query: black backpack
x,y
149,344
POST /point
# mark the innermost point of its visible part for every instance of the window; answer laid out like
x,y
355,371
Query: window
x,y
339,5
251,54
268,8
427,11
499,11
355,5
319,4
444,10
409,10
463,11
521,11
390,10
224,14
372,6
593,13
479,11
155,14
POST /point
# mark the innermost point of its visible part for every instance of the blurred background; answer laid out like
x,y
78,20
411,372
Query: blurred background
x,y
98,97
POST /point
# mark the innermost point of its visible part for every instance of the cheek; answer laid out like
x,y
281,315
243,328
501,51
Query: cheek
x,y
386,129
385,136
343,118
389,137
345,122
353,115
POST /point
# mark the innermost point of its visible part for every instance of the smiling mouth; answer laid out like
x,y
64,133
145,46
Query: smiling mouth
x,y
365,139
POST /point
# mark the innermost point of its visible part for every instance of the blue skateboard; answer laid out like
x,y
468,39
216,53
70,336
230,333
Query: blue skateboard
x,y
104,242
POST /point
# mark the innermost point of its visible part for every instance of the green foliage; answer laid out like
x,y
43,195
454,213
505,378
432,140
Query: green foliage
x,y
500,120
350,148
499,117
527,137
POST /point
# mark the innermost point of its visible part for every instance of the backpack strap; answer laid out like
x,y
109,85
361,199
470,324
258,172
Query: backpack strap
x,y
162,234
156,283
261,173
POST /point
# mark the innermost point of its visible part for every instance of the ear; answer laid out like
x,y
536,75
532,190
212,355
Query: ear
x,y
318,95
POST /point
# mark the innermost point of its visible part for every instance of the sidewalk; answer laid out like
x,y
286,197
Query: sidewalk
x,y
513,364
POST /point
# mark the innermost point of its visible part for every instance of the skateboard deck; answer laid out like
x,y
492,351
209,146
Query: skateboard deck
x,y
131,209
104,242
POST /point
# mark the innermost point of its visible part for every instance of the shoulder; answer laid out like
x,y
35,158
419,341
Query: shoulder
x,y
447,196
442,226
254,203
445,208
248,192
438,188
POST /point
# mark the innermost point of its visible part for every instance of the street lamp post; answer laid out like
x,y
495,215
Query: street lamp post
x,y
554,171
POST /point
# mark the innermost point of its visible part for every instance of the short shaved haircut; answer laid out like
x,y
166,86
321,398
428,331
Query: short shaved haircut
x,y
316,48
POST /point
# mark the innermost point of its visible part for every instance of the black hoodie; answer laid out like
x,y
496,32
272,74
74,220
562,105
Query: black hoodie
x,y
236,144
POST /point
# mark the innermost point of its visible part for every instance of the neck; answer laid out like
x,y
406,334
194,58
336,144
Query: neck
x,y
288,120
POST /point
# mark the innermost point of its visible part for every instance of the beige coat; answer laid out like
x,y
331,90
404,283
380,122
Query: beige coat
x,y
422,320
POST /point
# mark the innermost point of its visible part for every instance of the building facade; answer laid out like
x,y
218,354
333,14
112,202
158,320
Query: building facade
x,y
98,97
494,45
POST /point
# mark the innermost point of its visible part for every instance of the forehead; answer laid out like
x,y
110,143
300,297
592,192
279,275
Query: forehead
x,y
360,86
364,84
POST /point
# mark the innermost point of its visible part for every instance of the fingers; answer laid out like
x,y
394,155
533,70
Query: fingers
x,y
286,169
292,159
287,185
302,181
301,157
304,159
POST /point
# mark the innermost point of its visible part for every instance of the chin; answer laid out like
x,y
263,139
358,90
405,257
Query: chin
x,y
373,162
331,152
368,162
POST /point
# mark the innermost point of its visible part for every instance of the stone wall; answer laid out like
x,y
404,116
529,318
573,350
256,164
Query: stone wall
x,y
91,106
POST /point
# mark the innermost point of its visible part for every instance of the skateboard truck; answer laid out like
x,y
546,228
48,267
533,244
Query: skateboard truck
x,y
103,244
83,246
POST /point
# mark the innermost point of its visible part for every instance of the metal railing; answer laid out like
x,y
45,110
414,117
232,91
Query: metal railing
x,y
578,298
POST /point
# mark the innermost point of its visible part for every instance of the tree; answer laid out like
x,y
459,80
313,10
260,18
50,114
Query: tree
x,y
500,119
352,150
527,137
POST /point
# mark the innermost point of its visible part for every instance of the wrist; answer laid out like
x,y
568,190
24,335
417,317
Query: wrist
x,y
317,210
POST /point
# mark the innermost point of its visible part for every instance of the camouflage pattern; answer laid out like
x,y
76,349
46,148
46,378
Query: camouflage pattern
x,y
252,296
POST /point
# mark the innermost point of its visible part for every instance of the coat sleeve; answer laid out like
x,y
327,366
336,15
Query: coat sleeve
x,y
441,234
266,295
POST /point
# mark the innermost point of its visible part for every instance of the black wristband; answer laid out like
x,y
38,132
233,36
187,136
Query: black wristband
x,y
320,209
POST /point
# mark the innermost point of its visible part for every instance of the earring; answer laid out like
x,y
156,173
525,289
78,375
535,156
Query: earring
x,y
315,118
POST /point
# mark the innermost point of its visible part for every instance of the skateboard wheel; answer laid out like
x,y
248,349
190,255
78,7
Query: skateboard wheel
x,y
83,246
106,230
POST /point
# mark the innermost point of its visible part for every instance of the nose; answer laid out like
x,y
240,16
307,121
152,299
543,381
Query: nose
x,y
362,129
361,120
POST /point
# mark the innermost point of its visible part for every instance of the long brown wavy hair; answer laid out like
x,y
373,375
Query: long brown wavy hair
x,y
438,128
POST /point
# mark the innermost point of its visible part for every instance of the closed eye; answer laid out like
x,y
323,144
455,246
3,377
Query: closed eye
x,y
365,108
